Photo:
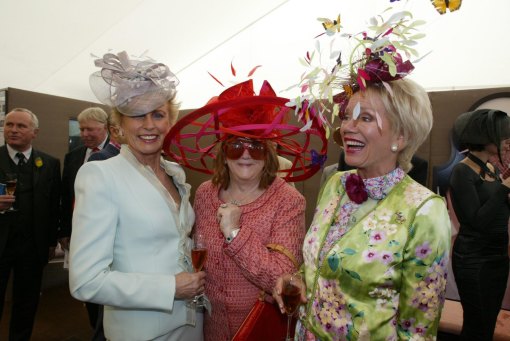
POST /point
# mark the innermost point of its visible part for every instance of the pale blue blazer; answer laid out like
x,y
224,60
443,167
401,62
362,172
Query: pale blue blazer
x,y
128,242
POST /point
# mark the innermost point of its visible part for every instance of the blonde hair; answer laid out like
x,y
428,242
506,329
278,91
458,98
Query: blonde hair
x,y
95,114
410,114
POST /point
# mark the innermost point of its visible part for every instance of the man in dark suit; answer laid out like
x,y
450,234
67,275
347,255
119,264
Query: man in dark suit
x,y
94,135
27,233
113,148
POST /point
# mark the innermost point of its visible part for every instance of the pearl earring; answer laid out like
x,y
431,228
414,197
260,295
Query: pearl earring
x,y
394,148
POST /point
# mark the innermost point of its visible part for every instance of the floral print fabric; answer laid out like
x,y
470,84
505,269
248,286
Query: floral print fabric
x,y
376,271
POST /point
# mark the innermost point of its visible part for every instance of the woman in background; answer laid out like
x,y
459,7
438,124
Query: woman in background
x,y
130,247
480,201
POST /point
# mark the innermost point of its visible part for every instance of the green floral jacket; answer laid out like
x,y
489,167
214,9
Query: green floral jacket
x,y
384,278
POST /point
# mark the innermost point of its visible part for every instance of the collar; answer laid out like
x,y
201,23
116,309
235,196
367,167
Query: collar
x,y
115,144
379,187
100,146
12,153
171,168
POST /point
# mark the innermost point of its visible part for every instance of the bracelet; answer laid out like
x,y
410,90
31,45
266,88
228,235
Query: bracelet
x,y
232,235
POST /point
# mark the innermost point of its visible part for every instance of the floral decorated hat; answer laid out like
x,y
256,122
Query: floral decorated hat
x,y
238,111
377,56
133,86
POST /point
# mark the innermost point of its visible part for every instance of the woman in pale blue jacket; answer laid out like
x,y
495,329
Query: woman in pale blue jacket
x,y
130,245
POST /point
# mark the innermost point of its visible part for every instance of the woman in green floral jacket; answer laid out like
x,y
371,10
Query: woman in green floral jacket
x,y
376,253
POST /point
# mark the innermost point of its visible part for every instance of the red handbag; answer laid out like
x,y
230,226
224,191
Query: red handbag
x,y
265,321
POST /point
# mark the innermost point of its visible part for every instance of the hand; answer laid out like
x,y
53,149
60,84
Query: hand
x,y
277,291
6,201
64,243
228,216
189,285
506,182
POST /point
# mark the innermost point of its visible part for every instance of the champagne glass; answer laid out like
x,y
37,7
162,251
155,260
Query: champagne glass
x,y
198,258
11,180
291,297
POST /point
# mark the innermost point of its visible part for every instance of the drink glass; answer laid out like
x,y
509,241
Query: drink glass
x,y
10,181
198,252
291,297
198,258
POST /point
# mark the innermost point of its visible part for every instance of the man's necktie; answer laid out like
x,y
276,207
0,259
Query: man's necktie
x,y
21,159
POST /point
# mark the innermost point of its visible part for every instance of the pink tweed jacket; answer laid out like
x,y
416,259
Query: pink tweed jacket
x,y
237,272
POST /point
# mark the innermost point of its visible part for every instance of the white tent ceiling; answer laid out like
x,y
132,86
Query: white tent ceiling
x,y
46,45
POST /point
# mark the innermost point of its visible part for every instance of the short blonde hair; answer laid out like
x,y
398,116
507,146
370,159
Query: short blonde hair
x,y
410,114
95,114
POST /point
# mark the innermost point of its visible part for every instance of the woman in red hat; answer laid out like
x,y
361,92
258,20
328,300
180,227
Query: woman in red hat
x,y
245,206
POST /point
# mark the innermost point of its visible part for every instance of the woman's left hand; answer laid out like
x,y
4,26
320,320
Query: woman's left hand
x,y
228,216
278,288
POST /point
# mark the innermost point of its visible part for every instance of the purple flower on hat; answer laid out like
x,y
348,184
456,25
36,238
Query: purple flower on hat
x,y
379,70
355,188
318,159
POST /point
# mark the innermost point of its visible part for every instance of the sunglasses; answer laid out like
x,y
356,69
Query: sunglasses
x,y
235,149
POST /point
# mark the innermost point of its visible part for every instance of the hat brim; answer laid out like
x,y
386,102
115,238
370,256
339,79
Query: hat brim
x,y
192,140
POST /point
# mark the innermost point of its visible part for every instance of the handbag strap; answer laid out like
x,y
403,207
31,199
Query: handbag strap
x,y
281,249
284,251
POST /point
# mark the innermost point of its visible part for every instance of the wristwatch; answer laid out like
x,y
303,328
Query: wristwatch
x,y
232,235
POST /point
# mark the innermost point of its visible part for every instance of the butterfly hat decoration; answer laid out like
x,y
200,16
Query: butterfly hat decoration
x,y
443,5
239,112
379,55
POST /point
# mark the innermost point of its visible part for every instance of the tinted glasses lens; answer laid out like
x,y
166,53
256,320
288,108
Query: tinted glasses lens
x,y
257,150
234,150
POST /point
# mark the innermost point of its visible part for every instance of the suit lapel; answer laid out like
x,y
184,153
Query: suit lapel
x,y
36,170
5,166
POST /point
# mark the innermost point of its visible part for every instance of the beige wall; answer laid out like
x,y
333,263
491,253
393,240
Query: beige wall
x,y
54,113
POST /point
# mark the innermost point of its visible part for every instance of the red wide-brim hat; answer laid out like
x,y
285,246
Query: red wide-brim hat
x,y
238,111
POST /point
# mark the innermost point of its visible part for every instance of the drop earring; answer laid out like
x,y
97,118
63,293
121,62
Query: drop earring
x,y
394,147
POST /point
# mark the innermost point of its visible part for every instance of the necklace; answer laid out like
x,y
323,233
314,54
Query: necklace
x,y
239,202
